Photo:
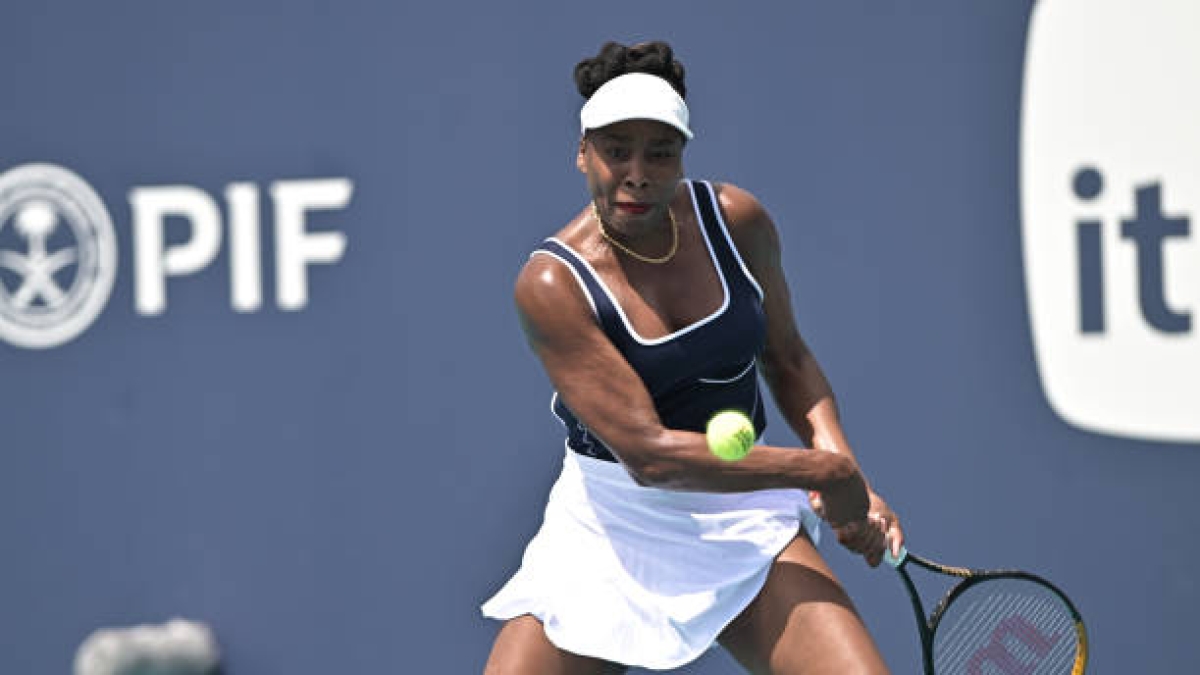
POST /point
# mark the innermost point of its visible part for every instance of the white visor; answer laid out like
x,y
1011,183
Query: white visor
x,y
635,96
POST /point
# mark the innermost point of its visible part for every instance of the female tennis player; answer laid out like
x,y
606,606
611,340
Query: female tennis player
x,y
651,310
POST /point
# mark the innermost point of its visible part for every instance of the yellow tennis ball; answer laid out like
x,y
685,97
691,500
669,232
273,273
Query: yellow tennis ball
x,y
730,435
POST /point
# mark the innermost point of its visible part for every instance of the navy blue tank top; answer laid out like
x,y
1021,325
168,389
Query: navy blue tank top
x,y
698,370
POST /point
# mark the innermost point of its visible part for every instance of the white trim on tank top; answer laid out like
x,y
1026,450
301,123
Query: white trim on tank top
x,y
650,342
729,238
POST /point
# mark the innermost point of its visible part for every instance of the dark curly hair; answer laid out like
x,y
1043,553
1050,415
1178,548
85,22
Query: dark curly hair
x,y
613,60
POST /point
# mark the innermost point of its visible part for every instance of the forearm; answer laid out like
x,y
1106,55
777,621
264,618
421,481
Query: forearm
x,y
681,460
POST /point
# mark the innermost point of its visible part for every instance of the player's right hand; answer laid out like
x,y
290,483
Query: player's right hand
x,y
845,498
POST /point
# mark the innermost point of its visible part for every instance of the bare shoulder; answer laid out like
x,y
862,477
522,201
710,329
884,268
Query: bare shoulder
x,y
738,205
547,292
543,279
748,221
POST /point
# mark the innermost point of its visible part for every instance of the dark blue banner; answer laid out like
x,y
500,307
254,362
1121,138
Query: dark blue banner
x,y
261,366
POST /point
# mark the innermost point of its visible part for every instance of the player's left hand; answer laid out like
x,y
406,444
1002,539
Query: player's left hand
x,y
869,537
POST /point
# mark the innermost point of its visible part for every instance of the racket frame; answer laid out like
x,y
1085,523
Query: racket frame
x,y
927,625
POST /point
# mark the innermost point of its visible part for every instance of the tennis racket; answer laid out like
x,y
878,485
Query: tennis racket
x,y
996,622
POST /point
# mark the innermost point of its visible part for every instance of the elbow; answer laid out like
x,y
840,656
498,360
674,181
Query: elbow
x,y
640,477
650,473
651,465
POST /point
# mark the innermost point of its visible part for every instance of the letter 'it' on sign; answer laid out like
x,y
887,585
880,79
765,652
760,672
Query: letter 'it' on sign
x,y
1110,156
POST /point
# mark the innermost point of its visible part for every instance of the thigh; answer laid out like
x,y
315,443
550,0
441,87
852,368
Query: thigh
x,y
802,622
522,648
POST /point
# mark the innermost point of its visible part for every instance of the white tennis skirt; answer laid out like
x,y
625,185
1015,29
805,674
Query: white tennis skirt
x,y
643,576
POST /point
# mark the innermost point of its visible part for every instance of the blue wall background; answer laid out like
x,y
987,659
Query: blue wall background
x,y
336,489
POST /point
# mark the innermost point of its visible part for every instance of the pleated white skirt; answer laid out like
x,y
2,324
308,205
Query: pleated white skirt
x,y
642,576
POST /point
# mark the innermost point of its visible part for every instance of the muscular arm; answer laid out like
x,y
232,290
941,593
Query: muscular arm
x,y
797,383
600,387
796,380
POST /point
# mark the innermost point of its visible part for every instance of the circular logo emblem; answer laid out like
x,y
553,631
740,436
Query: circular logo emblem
x,y
58,256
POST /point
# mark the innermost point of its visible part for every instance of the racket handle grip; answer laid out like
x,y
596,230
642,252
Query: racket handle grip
x,y
895,561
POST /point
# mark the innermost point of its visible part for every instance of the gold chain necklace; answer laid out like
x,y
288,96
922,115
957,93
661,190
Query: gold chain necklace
x,y
634,254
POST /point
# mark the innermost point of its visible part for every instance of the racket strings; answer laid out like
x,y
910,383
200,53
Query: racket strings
x,y
1006,627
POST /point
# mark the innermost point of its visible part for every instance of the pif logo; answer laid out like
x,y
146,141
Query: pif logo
x,y
1110,187
58,256
58,250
